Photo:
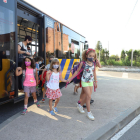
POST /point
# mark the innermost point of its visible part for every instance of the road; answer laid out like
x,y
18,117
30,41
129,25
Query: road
x,y
116,92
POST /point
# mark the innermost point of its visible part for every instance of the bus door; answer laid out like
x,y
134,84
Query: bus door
x,y
28,23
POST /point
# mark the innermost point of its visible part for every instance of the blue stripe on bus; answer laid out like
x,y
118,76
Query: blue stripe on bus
x,y
68,70
62,64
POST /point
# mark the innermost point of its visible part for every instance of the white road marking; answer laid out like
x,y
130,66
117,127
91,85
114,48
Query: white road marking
x,y
126,128
125,75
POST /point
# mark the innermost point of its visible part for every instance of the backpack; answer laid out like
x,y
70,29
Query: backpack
x,y
44,78
24,72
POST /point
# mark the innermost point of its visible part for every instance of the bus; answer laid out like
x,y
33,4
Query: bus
x,y
50,37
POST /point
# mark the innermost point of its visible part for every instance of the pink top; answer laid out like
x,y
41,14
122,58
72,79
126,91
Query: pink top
x,y
29,78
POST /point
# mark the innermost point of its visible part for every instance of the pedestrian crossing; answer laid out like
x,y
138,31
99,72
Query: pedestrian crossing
x,y
125,75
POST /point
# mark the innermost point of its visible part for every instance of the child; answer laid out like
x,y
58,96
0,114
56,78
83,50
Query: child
x,y
76,81
30,78
47,67
53,91
88,76
82,93
39,61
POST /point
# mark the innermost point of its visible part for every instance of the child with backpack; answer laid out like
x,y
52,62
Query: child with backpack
x,y
30,81
43,77
76,81
53,91
82,93
87,70
39,61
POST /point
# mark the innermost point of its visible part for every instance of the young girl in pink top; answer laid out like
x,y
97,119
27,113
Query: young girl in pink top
x,y
30,82
53,91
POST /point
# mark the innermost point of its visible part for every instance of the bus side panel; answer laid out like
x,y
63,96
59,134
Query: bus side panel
x,y
66,66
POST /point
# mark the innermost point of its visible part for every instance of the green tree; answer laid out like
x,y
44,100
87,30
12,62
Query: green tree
x,y
135,55
129,54
115,57
123,54
98,46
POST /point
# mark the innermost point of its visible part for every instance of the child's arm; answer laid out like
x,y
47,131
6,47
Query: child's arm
x,y
76,72
61,79
36,74
48,75
18,71
95,77
98,63
40,69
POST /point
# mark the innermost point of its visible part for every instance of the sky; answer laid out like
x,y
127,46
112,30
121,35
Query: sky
x,y
109,21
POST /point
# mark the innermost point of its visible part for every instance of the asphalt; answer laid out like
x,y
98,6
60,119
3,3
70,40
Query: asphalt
x,y
115,96
10,109
133,133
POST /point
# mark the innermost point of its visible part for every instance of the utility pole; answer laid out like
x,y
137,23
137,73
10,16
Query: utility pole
x,y
132,58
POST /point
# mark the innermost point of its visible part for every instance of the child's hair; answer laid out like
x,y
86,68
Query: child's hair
x,y
76,63
84,58
39,58
55,60
32,63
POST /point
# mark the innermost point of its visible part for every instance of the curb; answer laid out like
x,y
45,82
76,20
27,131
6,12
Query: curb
x,y
110,129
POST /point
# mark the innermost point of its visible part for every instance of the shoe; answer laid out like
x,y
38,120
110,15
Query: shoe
x,y
91,101
75,93
37,103
43,100
90,116
84,106
55,109
24,111
52,113
80,109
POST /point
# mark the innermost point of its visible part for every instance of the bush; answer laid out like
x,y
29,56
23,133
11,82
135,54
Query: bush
x,y
102,63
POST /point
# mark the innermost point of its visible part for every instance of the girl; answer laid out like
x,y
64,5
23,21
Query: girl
x,y
82,93
53,91
47,67
39,61
76,81
89,75
30,78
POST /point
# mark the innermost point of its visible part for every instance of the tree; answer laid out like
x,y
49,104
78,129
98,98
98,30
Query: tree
x,y
98,46
115,57
135,55
123,54
129,54
106,54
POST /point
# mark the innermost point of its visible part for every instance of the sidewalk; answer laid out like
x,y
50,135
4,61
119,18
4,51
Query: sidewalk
x,y
113,97
120,68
